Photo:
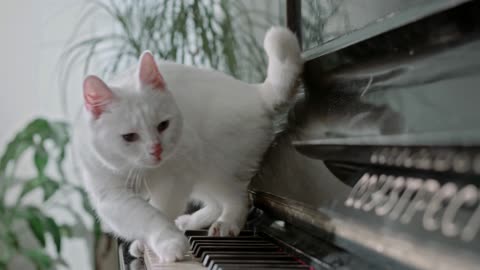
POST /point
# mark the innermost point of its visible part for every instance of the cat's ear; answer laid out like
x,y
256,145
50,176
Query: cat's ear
x,y
96,94
148,73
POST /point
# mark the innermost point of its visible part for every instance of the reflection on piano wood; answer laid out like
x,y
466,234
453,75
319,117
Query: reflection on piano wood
x,y
247,251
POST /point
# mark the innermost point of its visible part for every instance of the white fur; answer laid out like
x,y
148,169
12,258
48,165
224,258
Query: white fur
x,y
219,130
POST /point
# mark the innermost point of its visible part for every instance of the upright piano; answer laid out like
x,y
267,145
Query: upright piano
x,y
378,166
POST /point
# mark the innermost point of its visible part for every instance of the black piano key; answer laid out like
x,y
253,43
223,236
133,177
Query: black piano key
x,y
260,266
193,239
215,265
250,259
207,257
219,249
232,247
196,244
196,233
241,256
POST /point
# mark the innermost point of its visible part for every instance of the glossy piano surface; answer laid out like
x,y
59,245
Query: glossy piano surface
x,y
381,156
416,85
327,25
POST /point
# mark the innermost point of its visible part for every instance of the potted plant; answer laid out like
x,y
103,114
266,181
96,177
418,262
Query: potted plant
x,y
43,144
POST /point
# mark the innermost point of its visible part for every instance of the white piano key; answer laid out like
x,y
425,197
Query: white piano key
x,y
188,263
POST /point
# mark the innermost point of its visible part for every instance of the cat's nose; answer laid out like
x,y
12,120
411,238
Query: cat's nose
x,y
157,151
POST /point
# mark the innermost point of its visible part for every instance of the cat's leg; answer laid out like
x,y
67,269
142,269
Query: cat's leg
x,y
131,217
233,200
200,219
137,248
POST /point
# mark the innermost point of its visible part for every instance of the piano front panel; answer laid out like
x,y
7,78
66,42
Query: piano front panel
x,y
381,157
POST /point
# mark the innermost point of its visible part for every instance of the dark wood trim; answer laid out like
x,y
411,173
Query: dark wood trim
x,y
294,18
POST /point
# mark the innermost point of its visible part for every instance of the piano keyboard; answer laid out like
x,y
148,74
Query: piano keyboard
x,y
246,251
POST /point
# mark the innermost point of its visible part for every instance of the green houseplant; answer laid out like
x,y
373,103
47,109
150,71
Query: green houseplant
x,y
46,143
220,34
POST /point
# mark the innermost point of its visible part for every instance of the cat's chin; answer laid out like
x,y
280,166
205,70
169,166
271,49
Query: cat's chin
x,y
151,164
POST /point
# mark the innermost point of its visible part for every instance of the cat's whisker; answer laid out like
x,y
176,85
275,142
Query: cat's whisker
x,y
128,181
139,182
135,181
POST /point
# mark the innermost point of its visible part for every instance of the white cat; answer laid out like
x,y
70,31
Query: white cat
x,y
159,136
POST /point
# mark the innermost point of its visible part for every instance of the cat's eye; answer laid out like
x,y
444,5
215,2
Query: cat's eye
x,y
130,137
163,126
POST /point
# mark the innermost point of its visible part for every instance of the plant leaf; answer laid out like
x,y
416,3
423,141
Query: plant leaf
x,y
60,133
40,159
54,230
97,230
37,228
49,188
14,150
23,140
85,201
97,227
34,219
38,126
39,258
12,240
61,261
29,186
66,230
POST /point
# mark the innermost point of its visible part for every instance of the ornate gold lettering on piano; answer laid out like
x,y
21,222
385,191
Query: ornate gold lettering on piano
x,y
453,211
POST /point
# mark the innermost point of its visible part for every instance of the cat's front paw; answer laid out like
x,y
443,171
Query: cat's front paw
x,y
170,248
183,222
136,249
222,228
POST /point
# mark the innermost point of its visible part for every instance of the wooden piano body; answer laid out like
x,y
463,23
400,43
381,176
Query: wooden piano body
x,y
379,166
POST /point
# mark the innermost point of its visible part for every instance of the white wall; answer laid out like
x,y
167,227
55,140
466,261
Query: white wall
x,y
33,34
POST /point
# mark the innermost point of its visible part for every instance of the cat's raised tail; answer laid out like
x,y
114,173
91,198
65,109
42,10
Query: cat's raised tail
x,y
284,67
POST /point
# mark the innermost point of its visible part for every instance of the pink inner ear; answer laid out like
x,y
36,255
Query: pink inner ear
x,y
149,73
96,95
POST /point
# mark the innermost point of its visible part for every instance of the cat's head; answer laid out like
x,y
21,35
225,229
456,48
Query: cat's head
x,y
135,123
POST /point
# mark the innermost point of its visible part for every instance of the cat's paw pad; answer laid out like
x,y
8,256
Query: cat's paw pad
x,y
170,249
183,222
221,228
136,249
